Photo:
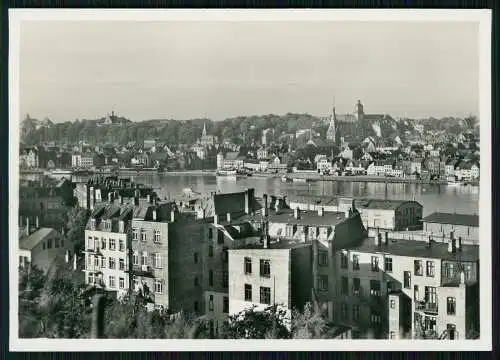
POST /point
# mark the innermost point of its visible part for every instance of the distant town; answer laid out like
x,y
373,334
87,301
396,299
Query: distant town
x,y
242,264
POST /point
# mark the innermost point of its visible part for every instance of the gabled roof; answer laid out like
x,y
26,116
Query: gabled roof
x,y
452,219
29,242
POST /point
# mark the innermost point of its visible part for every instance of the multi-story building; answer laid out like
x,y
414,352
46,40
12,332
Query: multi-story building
x,y
106,245
463,226
390,214
401,288
262,153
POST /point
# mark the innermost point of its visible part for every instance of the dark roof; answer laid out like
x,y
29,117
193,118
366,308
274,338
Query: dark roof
x,y
382,204
453,219
419,249
307,218
29,242
273,245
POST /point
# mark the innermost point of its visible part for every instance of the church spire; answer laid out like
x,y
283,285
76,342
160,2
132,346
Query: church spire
x,y
332,128
204,129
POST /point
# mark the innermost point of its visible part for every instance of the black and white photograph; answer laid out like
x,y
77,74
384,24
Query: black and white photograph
x,y
250,180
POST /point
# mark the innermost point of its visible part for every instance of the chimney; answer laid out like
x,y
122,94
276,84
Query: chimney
x,y
228,217
37,224
321,211
277,206
110,197
296,213
264,209
148,197
74,261
429,241
216,219
247,202
66,257
172,215
450,246
458,244
385,240
120,199
154,214
27,226
266,241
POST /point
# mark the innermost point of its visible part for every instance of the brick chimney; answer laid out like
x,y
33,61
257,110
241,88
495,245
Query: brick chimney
x,y
228,217
296,213
148,198
450,246
216,219
110,197
172,215
458,244
37,223
385,239
74,261
154,214
378,238
264,209
66,256
321,211
247,202
27,226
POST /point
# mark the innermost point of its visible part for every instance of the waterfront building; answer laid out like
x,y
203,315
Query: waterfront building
x,y
207,140
463,226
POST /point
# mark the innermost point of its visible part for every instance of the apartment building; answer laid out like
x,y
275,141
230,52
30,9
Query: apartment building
x,y
106,246
402,288
463,226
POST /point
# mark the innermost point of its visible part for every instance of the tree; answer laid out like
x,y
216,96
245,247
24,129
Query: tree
x,y
308,324
252,324
77,221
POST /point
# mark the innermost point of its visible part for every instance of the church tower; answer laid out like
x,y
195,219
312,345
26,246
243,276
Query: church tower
x,y
331,133
204,130
359,113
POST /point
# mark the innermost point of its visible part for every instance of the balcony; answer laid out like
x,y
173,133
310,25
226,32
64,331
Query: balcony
x,y
426,307
142,270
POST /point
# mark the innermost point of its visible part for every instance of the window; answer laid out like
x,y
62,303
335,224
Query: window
x,y
375,287
112,244
210,278
388,264
392,335
343,260
416,292
265,295
96,243
112,263
211,303
225,279
107,225
144,258
429,268
323,258
121,245
158,286
49,244
56,243
210,250
121,264
323,282
112,282
375,318
374,263
196,282
265,268
344,285
90,243
136,258
225,305
143,235
195,258
135,234
407,280
430,294
157,237
96,261
419,270
355,262
210,233
224,254
220,237
121,283
157,261
91,278
248,292
449,270
355,312
248,265
92,224
103,243
393,304
356,286
451,306
344,311
468,271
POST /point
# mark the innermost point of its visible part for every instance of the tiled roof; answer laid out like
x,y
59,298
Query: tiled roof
x,y
29,242
453,219
419,249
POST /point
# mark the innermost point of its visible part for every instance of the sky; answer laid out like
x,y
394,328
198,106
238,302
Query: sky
x,y
183,70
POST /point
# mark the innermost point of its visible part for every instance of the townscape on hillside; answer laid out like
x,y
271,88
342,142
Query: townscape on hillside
x,y
368,146
246,264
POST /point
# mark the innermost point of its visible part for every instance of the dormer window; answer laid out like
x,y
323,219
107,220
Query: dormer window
x,y
107,225
122,226
92,224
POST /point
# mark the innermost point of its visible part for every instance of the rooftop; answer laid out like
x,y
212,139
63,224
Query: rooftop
x,y
276,245
453,219
419,249
29,242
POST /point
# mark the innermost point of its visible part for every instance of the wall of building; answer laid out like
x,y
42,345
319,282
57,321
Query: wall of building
x,y
214,308
459,319
348,232
408,215
301,276
466,232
